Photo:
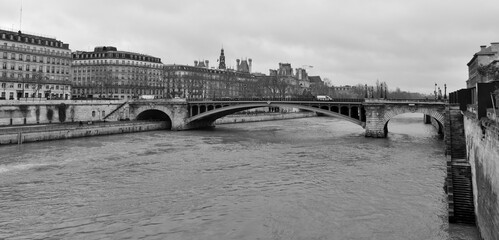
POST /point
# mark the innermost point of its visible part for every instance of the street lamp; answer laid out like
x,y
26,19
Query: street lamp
x,y
435,91
445,91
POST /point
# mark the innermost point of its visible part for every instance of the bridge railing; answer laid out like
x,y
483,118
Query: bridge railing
x,y
422,100
273,99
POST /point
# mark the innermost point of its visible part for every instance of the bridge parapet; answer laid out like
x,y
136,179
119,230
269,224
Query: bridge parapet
x,y
404,101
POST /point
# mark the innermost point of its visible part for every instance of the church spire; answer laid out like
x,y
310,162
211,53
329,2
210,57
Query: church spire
x,y
221,64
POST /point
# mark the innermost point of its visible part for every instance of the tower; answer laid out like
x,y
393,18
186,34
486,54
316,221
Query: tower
x,y
221,64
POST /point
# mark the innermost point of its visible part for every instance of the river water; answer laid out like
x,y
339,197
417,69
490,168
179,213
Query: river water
x,y
312,178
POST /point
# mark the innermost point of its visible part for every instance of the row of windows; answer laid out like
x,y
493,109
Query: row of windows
x,y
116,90
117,69
34,68
123,62
33,58
20,38
34,50
116,55
27,76
33,86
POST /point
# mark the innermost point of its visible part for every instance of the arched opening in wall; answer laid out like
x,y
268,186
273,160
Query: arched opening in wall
x,y
156,115
344,111
335,109
412,125
194,110
354,112
202,109
218,106
210,107
362,114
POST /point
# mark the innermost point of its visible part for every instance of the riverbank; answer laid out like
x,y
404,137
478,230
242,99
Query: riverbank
x,y
36,133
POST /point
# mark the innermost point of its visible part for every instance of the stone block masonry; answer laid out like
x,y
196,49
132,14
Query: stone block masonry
x,y
43,112
482,145
76,131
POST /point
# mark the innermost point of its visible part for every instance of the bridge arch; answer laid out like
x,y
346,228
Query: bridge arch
x,y
155,115
227,110
434,113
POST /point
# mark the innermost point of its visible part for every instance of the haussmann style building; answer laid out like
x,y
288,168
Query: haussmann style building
x,y
34,67
107,72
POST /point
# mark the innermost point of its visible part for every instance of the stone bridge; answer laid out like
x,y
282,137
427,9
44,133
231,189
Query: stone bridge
x,y
371,114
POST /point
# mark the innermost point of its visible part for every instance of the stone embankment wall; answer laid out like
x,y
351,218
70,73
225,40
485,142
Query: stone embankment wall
x,y
262,117
54,111
482,144
76,131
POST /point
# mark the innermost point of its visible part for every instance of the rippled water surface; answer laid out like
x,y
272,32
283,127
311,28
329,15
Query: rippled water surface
x,y
314,178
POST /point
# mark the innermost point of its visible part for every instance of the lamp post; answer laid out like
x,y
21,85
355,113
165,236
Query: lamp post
x,y
445,91
435,91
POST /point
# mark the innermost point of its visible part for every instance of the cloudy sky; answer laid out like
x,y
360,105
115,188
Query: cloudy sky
x,y
406,43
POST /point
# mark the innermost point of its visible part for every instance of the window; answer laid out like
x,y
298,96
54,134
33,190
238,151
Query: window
x,y
93,113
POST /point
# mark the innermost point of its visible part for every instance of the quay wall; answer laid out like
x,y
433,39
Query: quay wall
x,y
482,145
55,111
79,131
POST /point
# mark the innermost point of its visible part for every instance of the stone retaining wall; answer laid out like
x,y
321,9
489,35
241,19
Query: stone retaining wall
x,y
482,144
77,131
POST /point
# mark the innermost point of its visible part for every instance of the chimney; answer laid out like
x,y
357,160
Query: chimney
x,y
237,64
207,63
195,63
250,63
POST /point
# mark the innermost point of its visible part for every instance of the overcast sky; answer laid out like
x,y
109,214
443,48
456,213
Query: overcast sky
x,y
411,44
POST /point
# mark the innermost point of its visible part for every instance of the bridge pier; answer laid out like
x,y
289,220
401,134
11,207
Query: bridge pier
x,y
375,121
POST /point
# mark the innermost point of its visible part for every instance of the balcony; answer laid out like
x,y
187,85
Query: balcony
x,y
34,51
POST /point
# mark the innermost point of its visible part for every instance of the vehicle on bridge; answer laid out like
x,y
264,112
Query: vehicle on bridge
x,y
146,97
324,98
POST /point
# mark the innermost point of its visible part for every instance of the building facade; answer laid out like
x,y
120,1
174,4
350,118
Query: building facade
x,y
33,66
109,73
204,83
483,58
283,83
